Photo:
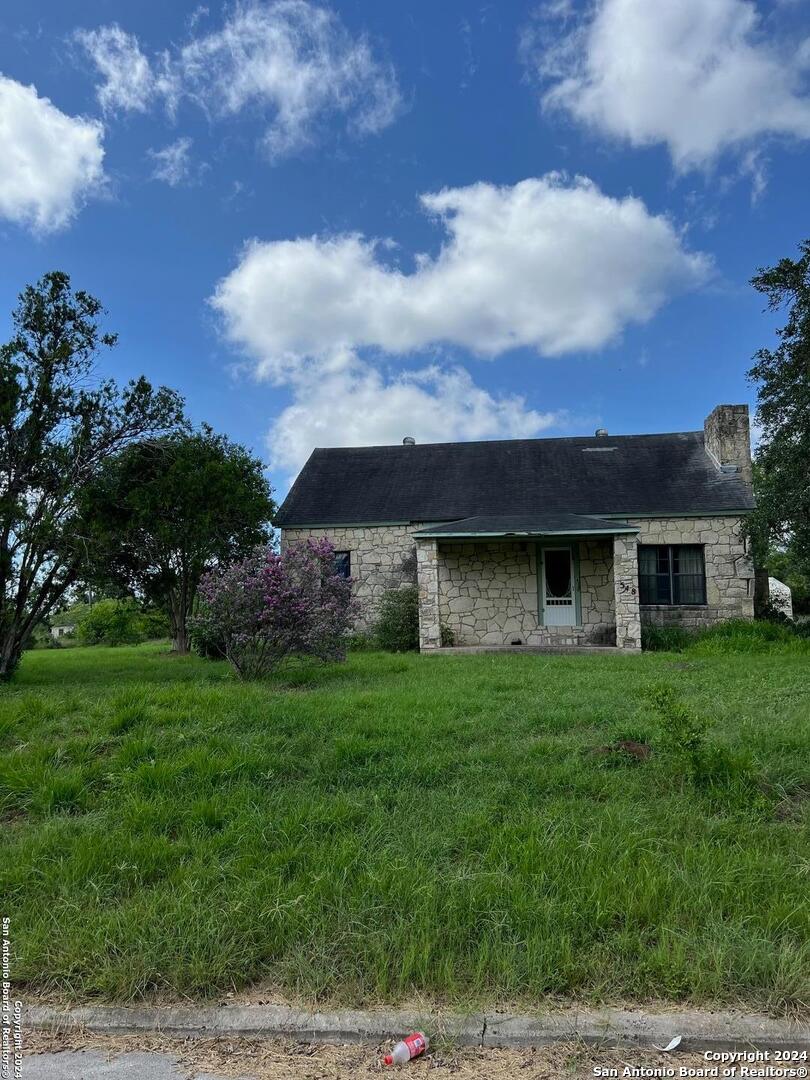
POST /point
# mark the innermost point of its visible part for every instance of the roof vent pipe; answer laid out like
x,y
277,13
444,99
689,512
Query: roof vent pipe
x,y
601,433
409,440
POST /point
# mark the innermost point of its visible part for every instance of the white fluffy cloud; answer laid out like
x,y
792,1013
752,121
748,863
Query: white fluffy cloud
x,y
129,83
296,61
173,162
290,61
353,404
551,264
697,75
50,161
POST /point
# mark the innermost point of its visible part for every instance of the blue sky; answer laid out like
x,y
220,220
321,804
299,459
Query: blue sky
x,y
340,225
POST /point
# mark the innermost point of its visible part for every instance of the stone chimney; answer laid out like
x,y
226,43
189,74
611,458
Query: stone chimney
x,y
728,439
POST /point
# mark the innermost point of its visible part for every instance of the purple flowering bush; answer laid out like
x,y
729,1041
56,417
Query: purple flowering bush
x,y
272,606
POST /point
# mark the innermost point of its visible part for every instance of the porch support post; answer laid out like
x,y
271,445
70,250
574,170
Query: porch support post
x,y
427,576
625,586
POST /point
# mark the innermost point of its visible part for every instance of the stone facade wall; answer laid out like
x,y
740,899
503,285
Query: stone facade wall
x,y
430,622
487,591
488,594
382,557
625,592
729,569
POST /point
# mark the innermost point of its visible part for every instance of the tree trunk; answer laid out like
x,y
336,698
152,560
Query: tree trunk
x,y
180,638
178,613
10,653
762,591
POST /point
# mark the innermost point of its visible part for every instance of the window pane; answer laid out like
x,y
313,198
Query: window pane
x,y
654,589
647,558
688,589
690,560
690,578
558,573
343,564
646,591
663,559
654,581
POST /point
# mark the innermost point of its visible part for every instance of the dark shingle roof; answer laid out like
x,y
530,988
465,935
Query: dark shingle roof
x,y
431,482
557,521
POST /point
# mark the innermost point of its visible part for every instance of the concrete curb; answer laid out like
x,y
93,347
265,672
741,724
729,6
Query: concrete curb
x,y
605,1027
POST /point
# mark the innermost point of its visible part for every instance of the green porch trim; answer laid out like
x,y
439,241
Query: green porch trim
x,y
538,569
522,535
671,514
577,593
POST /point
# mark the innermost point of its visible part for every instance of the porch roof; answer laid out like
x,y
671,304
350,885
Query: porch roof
x,y
549,523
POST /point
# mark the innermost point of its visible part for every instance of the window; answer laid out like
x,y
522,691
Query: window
x,y
671,574
343,564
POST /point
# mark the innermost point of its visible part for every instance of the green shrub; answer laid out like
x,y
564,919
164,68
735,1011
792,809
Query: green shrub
x,y
682,730
111,622
666,638
361,641
397,627
771,613
447,637
713,769
205,642
154,624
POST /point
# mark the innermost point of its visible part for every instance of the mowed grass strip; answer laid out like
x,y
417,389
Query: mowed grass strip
x,y
404,824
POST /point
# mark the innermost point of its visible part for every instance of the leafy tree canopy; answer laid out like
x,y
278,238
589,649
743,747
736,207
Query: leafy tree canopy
x,y
782,374
59,423
165,511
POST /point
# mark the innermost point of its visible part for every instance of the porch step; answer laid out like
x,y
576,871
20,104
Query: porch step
x,y
464,650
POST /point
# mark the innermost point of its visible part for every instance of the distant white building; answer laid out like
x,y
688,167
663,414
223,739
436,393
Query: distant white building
x,y
64,623
780,596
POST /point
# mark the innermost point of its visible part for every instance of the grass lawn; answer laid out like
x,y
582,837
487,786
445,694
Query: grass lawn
x,y
405,824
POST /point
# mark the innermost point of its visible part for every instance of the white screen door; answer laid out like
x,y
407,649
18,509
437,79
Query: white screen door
x,y
559,607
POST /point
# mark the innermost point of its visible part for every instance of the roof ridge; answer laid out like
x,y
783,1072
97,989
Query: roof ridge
x,y
490,442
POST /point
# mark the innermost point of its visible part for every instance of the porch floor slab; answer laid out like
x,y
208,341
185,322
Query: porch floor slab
x,y
465,650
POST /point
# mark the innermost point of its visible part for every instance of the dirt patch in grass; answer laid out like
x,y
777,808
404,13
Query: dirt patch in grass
x,y
792,806
629,747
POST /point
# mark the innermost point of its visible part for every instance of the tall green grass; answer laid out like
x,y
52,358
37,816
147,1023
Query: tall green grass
x,y
731,636
404,824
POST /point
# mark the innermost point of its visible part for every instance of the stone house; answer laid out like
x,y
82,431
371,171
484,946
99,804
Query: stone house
x,y
541,542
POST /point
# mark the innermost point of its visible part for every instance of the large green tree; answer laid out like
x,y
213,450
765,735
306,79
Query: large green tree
x,y
59,423
782,375
166,510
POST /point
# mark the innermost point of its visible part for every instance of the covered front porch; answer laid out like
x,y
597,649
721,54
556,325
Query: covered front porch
x,y
535,581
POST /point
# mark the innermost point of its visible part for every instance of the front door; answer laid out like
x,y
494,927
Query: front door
x,y
558,587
